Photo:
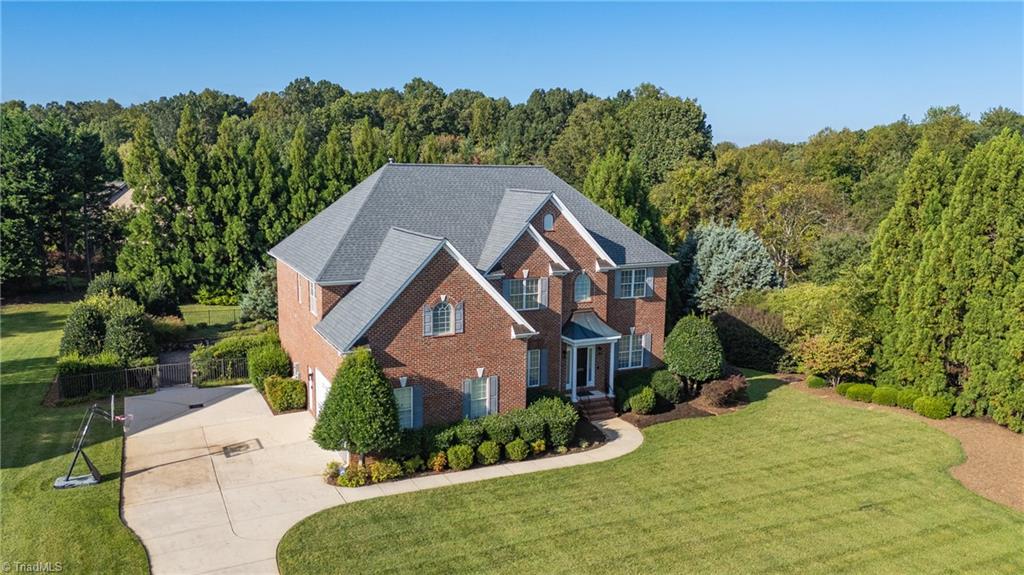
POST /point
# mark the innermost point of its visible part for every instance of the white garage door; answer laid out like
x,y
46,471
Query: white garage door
x,y
323,385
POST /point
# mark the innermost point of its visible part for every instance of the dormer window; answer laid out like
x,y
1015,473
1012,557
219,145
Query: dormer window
x,y
442,318
549,222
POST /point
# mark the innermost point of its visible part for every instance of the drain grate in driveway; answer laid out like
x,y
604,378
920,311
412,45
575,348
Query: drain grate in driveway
x,y
242,447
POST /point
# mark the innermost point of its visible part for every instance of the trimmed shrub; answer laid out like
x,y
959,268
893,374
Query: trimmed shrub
x,y
411,443
169,329
692,350
110,284
643,401
885,395
816,382
933,407
84,330
207,296
529,426
128,331
517,450
559,417
385,470
907,397
860,392
500,428
412,465
75,363
470,432
158,297
437,461
630,382
285,394
460,457
538,447
441,439
666,386
488,453
842,388
355,476
722,392
234,346
535,393
753,337
266,361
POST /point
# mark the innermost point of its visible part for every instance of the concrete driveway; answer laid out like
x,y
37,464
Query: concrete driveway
x,y
213,487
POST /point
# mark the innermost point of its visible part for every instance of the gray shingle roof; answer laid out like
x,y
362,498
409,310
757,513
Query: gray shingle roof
x,y
475,207
401,255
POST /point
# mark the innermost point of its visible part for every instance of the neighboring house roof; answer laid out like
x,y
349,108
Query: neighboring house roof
x,y
401,257
120,195
584,325
479,209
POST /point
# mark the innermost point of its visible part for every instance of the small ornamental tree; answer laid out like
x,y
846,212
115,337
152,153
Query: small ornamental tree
x,y
260,298
692,350
359,413
833,356
83,331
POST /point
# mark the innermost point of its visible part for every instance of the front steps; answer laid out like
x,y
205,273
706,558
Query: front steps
x,y
596,408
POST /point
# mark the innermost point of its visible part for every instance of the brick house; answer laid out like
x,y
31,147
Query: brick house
x,y
470,284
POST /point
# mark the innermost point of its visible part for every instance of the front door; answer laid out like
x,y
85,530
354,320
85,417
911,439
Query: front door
x,y
585,367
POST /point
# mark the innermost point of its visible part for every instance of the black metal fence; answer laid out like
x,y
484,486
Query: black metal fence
x,y
142,379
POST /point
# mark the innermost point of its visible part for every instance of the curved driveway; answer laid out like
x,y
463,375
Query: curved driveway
x,y
213,479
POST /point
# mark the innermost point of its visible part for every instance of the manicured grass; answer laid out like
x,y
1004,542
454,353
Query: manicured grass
x,y
209,321
791,483
78,528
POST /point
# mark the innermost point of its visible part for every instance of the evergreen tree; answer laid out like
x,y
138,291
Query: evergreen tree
x,y
234,178
22,257
721,262
614,184
196,228
334,164
402,147
369,150
269,201
302,184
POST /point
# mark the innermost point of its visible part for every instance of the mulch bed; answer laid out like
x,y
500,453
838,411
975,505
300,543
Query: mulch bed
x,y
588,432
679,411
995,455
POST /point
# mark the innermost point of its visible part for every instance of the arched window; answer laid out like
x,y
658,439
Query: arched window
x,y
442,318
549,222
581,289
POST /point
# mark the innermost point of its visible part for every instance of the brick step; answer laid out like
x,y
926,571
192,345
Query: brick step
x,y
597,409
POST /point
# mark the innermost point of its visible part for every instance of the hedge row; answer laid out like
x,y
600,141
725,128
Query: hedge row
x,y
907,398
285,393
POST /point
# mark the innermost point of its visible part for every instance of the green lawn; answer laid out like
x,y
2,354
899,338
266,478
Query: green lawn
x,y
790,484
79,528
209,321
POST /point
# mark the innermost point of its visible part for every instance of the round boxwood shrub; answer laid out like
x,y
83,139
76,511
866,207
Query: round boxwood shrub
x,y
128,332
643,401
529,425
488,453
907,397
499,428
692,350
83,331
111,284
517,450
460,457
816,382
860,392
285,394
470,432
885,395
265,361
933,407
842,388
666,386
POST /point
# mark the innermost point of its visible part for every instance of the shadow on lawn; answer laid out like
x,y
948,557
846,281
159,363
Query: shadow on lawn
x,y
758,387
27,322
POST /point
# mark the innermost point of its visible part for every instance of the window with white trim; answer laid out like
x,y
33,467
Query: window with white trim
x,y
524,294
532,368
631,351
296,371
479,397
549,222
312,298
441,318
581,288
403,400
633,283
298,287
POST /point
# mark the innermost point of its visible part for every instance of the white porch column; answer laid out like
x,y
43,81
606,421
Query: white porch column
x,y
572,372
611,369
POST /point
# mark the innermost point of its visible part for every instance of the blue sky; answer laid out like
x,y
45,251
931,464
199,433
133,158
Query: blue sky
x,y
759,70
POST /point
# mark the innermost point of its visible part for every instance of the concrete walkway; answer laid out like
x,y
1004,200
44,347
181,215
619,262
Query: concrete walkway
x,y
212,488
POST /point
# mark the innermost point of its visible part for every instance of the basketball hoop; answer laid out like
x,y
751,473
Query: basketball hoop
x,y
94,476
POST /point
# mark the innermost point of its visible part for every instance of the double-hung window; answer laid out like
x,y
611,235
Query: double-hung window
x,y
524,294
403,399
312,298
633,283
479,397
631,351
532,367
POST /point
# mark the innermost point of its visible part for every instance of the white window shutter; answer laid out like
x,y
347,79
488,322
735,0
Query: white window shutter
x,y
492,394
543,292
459,320
650,283
428,321
646,342
618,284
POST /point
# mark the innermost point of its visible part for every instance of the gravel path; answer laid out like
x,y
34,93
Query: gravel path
x,y
994,467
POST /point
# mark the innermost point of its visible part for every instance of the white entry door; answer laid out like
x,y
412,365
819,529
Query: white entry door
x,y
323,386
